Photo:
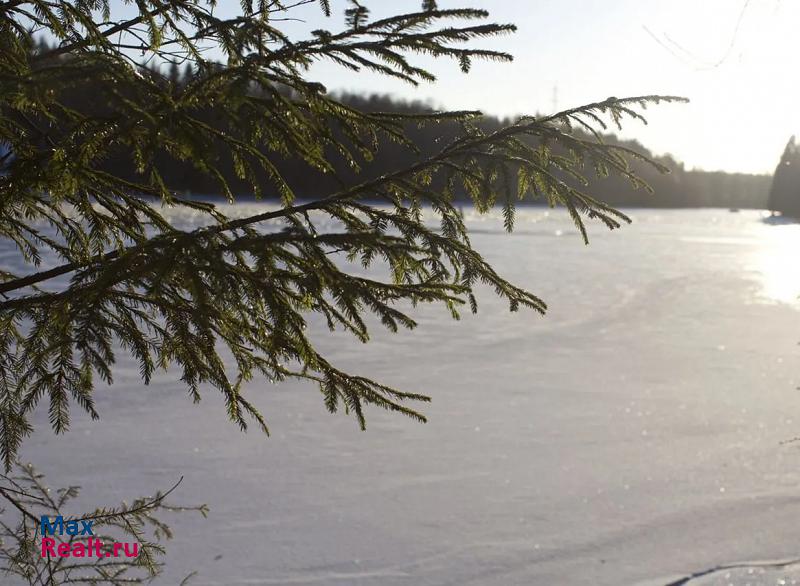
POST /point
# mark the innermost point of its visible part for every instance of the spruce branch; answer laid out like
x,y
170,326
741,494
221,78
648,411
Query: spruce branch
x,y
95,135
138,522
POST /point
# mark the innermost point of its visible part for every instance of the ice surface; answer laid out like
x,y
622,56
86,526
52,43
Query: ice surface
x,y
632,436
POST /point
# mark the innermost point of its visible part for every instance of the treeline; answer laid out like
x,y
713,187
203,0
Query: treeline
x,y
680,188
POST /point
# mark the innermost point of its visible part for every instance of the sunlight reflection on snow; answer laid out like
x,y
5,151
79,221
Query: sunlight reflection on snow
x,y
777,263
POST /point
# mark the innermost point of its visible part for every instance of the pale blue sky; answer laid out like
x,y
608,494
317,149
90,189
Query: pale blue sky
x,y
744,82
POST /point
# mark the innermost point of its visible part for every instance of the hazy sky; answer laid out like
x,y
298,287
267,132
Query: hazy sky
x,y
736,60
744,81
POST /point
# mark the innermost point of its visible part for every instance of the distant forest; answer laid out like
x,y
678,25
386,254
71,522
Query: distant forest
x,y
680,188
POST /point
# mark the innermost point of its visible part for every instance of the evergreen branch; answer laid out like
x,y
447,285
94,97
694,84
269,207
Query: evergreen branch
x,y
450,152
117,28
97,134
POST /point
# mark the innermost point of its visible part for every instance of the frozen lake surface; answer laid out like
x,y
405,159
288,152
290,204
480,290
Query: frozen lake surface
x,y
635,435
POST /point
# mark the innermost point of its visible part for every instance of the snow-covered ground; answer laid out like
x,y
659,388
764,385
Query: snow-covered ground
x,y
636,435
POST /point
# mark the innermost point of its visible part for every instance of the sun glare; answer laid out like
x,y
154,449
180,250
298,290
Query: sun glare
x,y
777,264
